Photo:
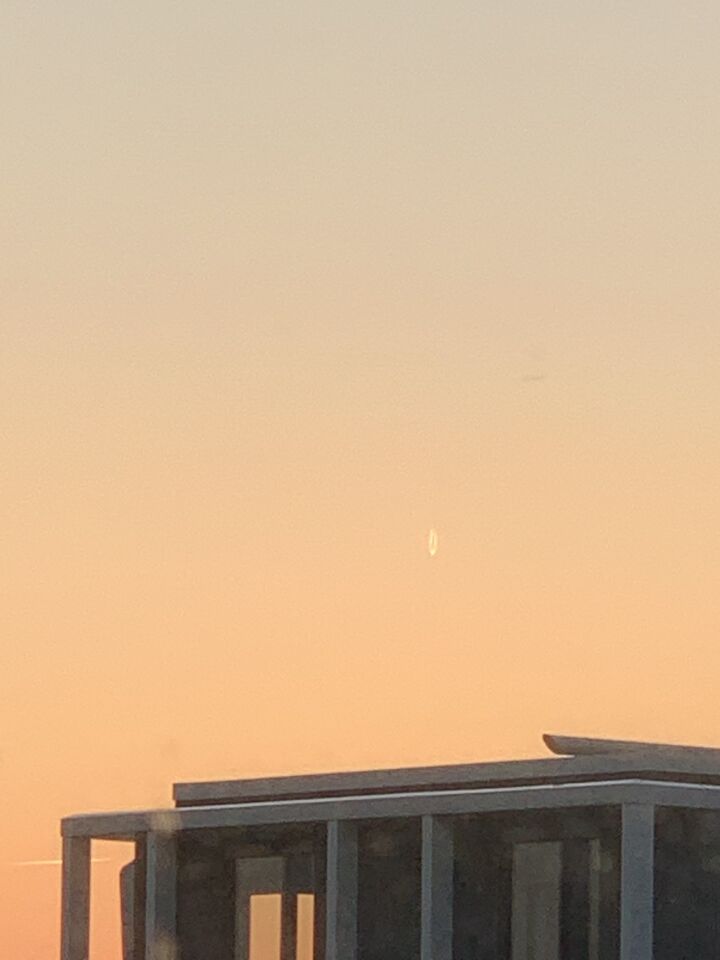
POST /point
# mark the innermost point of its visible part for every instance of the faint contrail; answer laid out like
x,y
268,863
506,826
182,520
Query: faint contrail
x,y
433,542
52,863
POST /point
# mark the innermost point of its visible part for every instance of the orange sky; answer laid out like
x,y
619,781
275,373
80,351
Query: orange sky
x,y
286,285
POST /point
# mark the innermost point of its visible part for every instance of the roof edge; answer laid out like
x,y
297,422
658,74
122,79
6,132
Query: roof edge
x,y
579,759
570,746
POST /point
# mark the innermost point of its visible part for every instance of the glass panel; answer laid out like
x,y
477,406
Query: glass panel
x,y
220,871
254,875
537,875
389,891
537,887
687,885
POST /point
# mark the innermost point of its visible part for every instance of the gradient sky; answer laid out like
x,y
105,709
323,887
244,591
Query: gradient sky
x,y
284,286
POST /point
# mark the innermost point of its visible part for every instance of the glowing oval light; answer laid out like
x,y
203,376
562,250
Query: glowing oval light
x,y
433,542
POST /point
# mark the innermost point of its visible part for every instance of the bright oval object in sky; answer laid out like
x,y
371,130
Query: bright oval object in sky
x,y
433,542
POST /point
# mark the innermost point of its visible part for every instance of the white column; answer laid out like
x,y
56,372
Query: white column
x,y
242,925
341,892
161,897
288,926
75,937
637,876
437,889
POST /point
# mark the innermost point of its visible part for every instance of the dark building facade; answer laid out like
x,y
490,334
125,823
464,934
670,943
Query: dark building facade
x,y
608,851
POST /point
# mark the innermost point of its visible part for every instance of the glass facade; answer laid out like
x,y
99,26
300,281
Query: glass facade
x,y
687,884
222,875
540,886
389,871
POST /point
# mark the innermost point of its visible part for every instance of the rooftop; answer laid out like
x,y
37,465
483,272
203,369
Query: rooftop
x,y
583,772
576,760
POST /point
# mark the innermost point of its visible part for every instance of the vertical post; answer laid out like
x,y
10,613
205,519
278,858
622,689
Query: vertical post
x,y
342,890
76,899
319,905
138,951
289,926
242,925
636,899
437,889
128,885
161,895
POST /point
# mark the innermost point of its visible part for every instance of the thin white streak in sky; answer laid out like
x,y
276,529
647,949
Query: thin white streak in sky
x,y
52,863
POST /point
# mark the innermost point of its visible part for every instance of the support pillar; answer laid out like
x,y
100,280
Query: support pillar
x,y
437,889
128,886
342,890
637,876
320,902
288,927
242,925
161,897
75,937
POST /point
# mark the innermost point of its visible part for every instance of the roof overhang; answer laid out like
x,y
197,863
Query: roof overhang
x,y
686,765
129,826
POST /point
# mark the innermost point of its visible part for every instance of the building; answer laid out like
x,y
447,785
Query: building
x,y
608,851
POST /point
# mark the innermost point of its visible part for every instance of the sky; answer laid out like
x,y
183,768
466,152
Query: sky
x,y
285,286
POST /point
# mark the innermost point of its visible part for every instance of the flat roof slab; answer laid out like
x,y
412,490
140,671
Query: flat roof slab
x,y
593,760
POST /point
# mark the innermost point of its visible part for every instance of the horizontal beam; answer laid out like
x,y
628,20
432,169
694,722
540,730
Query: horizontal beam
x,y
114,826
